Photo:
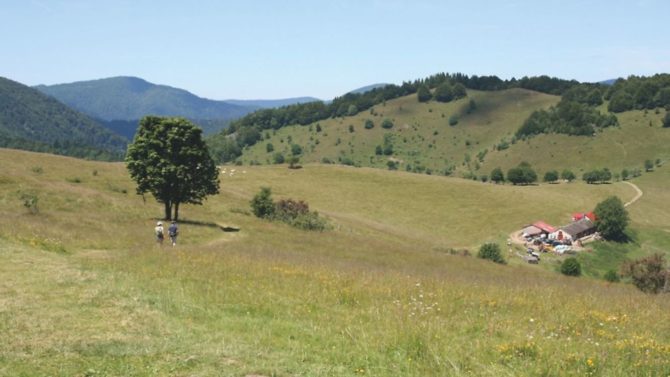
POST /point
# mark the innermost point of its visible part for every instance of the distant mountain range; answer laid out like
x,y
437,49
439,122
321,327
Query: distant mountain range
x,y
119,102
270,103
131,98
32,120
368,88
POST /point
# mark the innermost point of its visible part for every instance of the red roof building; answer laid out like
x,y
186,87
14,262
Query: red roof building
x,y
544,227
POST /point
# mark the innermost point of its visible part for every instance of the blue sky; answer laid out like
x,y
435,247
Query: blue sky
x,y
274,49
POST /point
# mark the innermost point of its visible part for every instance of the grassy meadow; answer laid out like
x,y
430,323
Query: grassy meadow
x,y
84,291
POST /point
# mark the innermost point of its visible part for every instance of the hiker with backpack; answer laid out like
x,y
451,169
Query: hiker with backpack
x,y
158,231
173,231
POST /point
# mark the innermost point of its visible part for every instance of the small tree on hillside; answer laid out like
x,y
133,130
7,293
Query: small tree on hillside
x,y
491,251
169,159
444,93
522,174
262,205
648,274
568,175
497,175
423,94
666,120
611,219
551,176
648,165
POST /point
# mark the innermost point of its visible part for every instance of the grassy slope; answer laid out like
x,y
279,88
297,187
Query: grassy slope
x,y
422,132
375,296
423,137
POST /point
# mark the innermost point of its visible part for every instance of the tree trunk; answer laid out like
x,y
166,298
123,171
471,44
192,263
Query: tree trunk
x,y
176,211
168,210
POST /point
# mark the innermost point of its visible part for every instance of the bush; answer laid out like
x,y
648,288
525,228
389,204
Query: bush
x,y
571,267
296,149
369,124
30,202
262,205
269,148
288,209
666,120
387,124
491,251
453,120
310,221
612,276
278,158
649,274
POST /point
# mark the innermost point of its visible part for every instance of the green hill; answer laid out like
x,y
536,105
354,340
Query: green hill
x,y
34,121
423,140
387,291
131,98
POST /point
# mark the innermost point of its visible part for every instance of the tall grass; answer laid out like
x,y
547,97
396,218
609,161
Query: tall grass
x,y
377,295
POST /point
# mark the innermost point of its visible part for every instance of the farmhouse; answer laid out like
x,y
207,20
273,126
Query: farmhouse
x,y
572,232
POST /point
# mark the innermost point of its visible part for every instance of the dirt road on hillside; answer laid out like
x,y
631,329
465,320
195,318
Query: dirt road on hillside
x,y
638,196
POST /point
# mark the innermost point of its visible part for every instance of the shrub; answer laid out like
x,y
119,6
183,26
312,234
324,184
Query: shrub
x,y
648,165
571,267
387,124
288,209
453,120
262,205
278,158
369,124
296,149
666,120
37,170
310,221
351,128
269,148
30,202
491,251
649,274
612,276
392,165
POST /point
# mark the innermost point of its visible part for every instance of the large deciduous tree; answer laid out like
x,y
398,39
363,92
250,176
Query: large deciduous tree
x,y
612,219
169,159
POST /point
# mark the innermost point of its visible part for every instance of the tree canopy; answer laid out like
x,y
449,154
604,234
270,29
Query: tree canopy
x,y
169,159
611,219
522,174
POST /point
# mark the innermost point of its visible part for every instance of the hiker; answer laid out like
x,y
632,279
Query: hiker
x,y
158,230
173,231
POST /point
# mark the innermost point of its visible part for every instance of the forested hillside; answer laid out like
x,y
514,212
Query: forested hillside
x,y
465,126
131,98
34,121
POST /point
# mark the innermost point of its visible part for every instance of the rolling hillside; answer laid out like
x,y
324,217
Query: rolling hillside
x,y
423,140
386,292
34,121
